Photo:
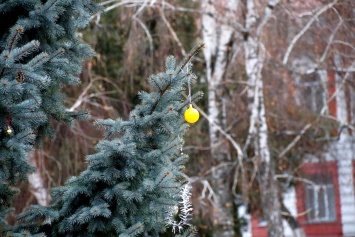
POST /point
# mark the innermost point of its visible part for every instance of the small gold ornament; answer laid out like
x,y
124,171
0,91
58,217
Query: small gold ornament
x,y
191,115
9,130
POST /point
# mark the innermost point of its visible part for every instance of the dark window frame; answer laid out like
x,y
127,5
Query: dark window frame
x,y
320,199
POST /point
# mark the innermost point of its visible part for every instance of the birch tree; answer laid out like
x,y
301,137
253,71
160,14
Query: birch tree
x,y
258,128
218,37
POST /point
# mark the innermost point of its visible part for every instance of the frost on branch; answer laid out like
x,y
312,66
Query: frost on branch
x,y
185,209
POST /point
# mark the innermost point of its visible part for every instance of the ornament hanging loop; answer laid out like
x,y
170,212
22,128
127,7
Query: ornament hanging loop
x,y
191,114
188,82
9,129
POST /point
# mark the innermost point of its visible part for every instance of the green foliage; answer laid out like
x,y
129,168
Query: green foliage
x,y
136,176
39,53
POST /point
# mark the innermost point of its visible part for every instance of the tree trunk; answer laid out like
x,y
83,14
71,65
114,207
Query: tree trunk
x,y
217,38
36,182
292,222
258,130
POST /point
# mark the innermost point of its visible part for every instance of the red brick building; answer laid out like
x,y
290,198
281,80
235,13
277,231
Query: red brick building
x,y
324,201
324,207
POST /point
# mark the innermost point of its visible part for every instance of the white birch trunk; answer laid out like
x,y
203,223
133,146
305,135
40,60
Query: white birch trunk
x,y
346,187
258,130
289,210
342,114
36,182
217,37
344,152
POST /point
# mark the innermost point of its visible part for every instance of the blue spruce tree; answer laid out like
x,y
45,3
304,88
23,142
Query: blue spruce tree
x,y
133,184
39,53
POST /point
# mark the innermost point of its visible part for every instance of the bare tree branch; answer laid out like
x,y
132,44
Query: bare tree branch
x,y
172,32
322,112
295,140
331,38
150,38
305,28
140,9
225,134
267,15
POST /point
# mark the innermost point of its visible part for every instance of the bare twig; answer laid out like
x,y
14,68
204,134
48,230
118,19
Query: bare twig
x,y
135,3
305,28
267,15
80,99
295,140
140,9
150,38
321,113
172,32
211,194
330,41
188,57
225,134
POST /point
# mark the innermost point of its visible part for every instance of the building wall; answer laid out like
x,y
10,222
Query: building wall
x,y
321,229
258,230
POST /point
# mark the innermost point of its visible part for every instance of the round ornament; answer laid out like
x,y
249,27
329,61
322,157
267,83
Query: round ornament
x,y
9,130
191,115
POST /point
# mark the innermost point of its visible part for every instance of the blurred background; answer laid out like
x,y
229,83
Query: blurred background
x,y
276,133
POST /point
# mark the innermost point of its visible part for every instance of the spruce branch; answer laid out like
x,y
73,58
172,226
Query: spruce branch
x,y
155,82
166,174
192,53
18,31
173,146
161,95
37,60
32,103
183,63
49,4
134,230
166,127
56,54
167,204
170,187
24,50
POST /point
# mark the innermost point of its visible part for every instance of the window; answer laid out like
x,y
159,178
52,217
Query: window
x,y
320,201
311,92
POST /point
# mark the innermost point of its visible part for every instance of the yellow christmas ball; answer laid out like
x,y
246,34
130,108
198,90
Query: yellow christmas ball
x,y
9,130
191,115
